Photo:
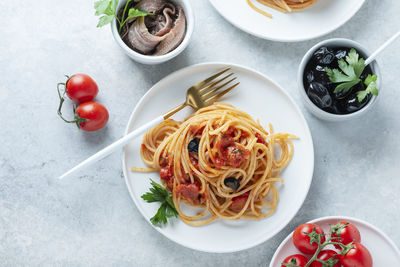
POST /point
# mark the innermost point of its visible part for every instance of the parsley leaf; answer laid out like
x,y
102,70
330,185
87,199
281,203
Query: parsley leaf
x,y
349,76
157,193
347,69
101,7
370,82
167,209
357,64
107,9
336,76
134,13
114,5
104,20
344,87
370,79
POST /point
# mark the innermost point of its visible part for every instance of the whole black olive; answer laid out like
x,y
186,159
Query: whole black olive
x,y
193,145
232,183
319,94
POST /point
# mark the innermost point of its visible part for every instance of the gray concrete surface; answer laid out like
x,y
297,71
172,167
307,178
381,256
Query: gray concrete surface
x,y
90,220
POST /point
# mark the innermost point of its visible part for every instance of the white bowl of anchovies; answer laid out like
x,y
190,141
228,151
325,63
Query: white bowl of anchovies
x,y
151,31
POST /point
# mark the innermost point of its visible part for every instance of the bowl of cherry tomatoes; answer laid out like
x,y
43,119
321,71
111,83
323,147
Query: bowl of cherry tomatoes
x,y
336,241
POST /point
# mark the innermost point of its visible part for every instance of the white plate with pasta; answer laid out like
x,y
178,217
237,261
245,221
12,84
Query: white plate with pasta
x,y
261,195
319,17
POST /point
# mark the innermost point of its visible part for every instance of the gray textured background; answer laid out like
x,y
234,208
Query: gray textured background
x,y
90,219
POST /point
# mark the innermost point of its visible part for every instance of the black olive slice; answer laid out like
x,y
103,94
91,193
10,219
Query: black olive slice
x,y
232,183
193,145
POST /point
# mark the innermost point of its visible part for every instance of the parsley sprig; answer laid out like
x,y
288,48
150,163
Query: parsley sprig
x,y
370,82
167,209
107,10
349,75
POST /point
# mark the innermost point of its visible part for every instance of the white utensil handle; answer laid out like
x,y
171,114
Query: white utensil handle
x,y
114,146
381,48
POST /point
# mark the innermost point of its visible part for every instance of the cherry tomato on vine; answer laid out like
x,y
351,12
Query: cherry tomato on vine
x,y
302,241
91,116
325,255
348,234
81,88
296,259
358,256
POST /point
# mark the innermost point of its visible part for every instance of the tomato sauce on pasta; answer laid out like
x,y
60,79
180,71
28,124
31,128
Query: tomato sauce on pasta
x,y
219,159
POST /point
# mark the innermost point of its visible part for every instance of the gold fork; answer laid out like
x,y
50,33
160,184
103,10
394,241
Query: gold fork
x,y
205,93
200,95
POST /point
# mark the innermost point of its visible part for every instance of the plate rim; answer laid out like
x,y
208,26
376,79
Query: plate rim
x,y
287,40
336,217
142,101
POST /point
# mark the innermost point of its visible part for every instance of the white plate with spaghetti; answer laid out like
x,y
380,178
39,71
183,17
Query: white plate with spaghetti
x,y
383,250
262,99
322,17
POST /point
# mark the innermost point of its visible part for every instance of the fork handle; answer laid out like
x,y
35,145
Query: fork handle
x,y
174,110
114,146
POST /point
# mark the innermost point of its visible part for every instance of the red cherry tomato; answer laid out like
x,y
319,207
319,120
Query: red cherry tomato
x,y
358,256
326,255
302,242
297,259
348,234
81,88
95,113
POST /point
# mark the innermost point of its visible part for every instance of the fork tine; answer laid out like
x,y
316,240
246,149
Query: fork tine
x,y
211,91
201,84
209,87
216,97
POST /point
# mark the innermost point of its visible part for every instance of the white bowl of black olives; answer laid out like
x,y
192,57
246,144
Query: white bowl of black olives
x,y
334,81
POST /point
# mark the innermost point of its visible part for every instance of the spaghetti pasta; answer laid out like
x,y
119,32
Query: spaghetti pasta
x,y
282,5
221,160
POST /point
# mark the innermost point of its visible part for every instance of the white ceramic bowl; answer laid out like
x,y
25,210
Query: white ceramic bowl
x,y
153,60
315,110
